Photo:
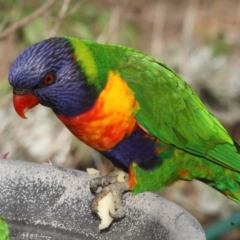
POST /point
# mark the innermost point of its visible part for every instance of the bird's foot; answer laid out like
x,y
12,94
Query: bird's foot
x,y
115,183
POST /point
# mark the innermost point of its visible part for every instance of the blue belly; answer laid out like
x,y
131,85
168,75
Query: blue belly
x,y
139,147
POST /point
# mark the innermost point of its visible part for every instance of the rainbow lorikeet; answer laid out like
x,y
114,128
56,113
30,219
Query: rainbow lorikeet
x,y
132,108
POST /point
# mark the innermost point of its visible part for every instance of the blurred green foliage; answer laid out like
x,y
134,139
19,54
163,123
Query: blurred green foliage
x,y
83,19
219,45
5,88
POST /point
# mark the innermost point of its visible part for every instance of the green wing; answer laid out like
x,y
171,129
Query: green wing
x,y
171,111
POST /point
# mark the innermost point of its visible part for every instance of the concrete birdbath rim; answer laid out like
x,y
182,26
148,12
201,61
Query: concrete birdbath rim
x,y
47,202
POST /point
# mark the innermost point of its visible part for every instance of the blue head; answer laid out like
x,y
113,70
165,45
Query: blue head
x,y
48,71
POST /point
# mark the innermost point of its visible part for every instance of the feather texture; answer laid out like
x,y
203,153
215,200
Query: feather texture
x,y
134,109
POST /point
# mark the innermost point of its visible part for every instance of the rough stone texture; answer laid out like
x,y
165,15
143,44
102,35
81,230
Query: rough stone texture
x,y
46,202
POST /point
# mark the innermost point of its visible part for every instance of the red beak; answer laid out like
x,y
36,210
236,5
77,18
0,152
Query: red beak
x,y
22,103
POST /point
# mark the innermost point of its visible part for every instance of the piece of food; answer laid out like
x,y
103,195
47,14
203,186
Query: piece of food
x,y
121,176
106,205
92,171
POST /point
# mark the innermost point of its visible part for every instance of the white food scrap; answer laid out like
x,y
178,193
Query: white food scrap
x,y
106,205
93,171
121,176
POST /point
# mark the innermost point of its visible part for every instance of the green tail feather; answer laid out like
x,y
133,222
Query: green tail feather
x,y
185,166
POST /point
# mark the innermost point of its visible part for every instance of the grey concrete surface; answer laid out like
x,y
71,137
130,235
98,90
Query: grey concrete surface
x,y
46,202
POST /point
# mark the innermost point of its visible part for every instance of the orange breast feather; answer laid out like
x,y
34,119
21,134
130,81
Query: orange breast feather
x,y
110,119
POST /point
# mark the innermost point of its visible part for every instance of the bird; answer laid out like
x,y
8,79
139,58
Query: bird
x,y
132,108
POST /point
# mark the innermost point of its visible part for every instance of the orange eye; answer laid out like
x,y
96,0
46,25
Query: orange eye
x,y
49,79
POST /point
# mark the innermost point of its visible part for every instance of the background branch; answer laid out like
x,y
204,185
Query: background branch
x,y
60,17
27,19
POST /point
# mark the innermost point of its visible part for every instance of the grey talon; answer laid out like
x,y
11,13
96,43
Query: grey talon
x,y
110,183
97,198
119,214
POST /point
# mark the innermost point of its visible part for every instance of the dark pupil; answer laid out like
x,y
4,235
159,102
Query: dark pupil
x,y
49,79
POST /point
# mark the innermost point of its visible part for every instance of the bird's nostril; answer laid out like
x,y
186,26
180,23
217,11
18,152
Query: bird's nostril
x,y
21,91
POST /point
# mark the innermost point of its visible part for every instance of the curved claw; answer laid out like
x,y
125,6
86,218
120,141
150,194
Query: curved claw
x,y
110,183
99,196
98,182
119,214
103,181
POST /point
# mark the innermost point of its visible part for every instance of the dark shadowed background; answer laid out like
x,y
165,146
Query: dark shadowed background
x,y
200,39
